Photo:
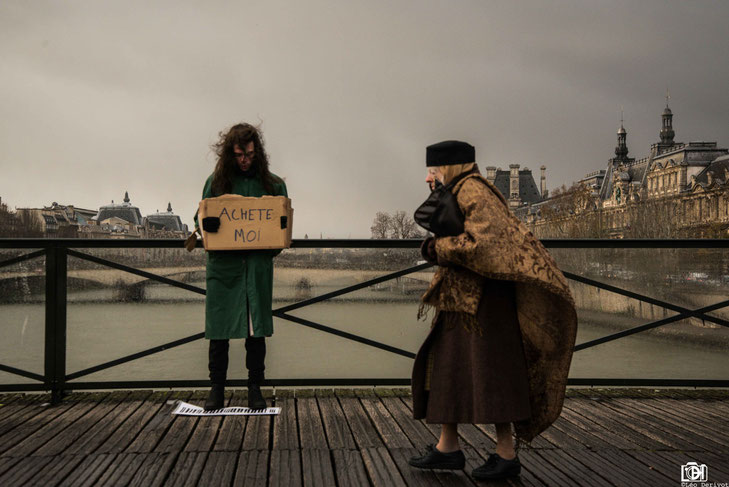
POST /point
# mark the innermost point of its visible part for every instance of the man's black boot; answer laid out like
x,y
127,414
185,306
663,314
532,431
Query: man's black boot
x,y
434,458
216,398
218,366
255,357
255,397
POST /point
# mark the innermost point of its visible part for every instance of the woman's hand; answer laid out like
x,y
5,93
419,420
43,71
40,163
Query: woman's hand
x,y
427,250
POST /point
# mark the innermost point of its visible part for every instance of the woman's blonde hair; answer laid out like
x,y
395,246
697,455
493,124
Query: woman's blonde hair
x,y
453,170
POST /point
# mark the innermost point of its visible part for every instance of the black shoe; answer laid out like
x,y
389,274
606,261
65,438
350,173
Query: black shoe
x,y
497,468
215,398
255,398
435,459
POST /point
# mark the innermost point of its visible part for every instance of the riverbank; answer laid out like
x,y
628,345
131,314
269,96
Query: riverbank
x,y
682,331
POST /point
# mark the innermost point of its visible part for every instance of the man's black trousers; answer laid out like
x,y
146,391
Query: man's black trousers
x,y
255,357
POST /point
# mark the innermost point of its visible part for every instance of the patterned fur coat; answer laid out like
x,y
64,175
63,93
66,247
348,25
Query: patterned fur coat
x,y
496,245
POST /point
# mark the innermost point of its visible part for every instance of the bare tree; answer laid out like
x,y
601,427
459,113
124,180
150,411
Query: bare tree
x,y
402,225
397,225
381,225
8,222
28,224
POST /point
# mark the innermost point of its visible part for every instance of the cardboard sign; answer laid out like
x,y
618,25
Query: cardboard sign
x,y
248,223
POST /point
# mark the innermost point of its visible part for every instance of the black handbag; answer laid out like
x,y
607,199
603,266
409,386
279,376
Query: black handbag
x,y
440,213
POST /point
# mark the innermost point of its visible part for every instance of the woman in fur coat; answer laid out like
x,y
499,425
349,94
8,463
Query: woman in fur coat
x,y
504,327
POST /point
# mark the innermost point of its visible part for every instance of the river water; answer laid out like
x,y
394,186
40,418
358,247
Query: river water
x,y
101,328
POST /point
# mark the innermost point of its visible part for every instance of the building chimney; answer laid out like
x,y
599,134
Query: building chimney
x,y
543,182
491,173
514,185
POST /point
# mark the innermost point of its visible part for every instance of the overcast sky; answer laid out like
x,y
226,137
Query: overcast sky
x,y
99,98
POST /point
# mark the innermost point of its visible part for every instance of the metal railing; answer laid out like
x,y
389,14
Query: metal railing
x,y
57,251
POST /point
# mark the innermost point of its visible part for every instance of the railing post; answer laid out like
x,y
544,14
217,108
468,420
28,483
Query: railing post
x,y
55,353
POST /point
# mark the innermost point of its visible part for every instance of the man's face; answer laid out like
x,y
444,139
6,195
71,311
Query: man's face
x,y
244,158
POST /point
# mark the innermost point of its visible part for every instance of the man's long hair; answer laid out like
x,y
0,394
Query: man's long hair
x,y
227,166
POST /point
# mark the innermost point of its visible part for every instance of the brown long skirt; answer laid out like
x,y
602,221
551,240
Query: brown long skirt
x,y
460,376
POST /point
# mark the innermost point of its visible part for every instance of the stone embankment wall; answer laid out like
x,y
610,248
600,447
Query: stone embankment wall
x,y
690,296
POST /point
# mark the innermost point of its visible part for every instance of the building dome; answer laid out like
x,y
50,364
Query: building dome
x,y
167,219
125,211
624,176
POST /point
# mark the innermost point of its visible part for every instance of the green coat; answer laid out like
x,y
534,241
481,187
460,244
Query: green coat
x,y
240,283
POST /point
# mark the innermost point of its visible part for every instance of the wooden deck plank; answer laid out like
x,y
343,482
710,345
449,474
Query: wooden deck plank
x,y
381,467
545,471
232,428
60,443
123,469
588,432
219,469
391,434
638,471
418,434
701,428
257,433
365,434
349,468
317,468
154,469
177,433
705,411
612,420
24,470
206,430
29,425
285,430
154,432
90,441
56,470
338,433
311,427
89,470
671,434
578,467
187,469
657,461
128,430
51,429
285,468
560,439
6,463
22,405
252,469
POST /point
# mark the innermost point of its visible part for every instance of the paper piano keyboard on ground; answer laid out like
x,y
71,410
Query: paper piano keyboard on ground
x,y
185,409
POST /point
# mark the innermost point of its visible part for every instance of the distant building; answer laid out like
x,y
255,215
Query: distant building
x,y
165,225
679,189
124,220
167,221
58,221
116,220
517,185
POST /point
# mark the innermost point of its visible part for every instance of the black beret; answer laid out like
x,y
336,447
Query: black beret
x,y
449,152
